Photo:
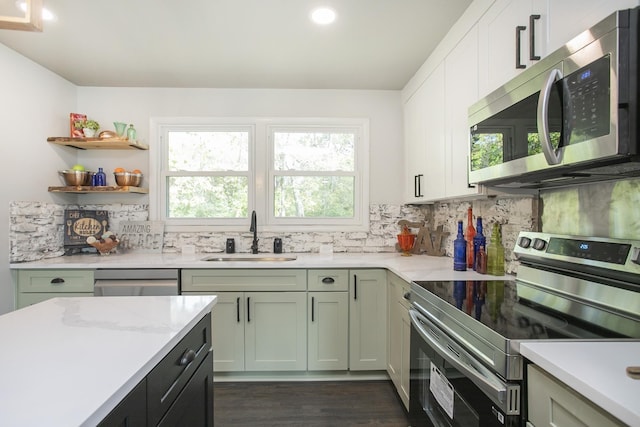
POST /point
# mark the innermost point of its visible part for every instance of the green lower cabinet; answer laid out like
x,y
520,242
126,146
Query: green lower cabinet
x,y
367,320
34,286
328,331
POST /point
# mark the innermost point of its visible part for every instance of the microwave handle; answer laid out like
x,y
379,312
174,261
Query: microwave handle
x,y
553,157
480,375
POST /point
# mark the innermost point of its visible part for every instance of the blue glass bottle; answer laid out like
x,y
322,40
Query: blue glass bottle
x,y
460,250
478,240
101,178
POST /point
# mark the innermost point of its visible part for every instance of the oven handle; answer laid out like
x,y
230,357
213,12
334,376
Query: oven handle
x,y
493,386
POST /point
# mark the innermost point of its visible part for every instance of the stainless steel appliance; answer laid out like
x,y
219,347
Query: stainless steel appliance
x,y
136,282
570,118
466,367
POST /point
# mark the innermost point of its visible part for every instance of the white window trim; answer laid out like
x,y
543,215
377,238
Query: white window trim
x,y
260,174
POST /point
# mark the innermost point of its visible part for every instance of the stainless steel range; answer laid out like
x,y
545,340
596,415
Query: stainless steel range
x,y
466,367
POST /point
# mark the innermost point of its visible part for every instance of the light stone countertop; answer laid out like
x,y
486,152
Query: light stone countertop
x,y
69,361
416,267
597,370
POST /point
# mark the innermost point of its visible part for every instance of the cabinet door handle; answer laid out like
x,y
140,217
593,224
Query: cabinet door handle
x,y
248,309
238,309
355,287
519,30
313,306
328,280
532,37
188,357
417,190
57,281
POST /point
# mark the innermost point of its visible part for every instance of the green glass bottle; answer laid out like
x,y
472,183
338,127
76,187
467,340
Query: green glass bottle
x,y
495,252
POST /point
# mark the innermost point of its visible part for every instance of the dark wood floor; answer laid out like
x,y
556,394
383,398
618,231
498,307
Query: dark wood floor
x,y
322,403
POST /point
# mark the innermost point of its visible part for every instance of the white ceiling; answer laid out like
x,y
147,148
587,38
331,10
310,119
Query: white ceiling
x,y
374,44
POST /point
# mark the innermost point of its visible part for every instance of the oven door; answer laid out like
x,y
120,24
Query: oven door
x,y
450,388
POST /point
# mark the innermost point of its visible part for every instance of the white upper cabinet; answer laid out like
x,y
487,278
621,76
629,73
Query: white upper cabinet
x,y
512,34
461,87
415,145
424,140
583,15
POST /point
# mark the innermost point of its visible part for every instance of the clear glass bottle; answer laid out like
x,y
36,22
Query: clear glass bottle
x,y
131,133
495,252
469,234
460,251
478,240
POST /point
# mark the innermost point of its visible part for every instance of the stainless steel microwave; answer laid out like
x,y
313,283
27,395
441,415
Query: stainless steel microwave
x,y
570,118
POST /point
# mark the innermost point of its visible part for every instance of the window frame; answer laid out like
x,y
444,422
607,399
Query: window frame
x,y
261,173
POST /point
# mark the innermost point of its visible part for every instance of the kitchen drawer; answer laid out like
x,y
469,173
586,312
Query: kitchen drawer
x,y
328,280
25,299
166,381
55,281
237,280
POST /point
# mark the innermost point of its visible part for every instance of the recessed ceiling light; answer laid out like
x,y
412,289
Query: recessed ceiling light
x,y
47,15
323,16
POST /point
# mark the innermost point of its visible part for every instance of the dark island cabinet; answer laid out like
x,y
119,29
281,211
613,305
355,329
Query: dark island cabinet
x,y
132,411
177,392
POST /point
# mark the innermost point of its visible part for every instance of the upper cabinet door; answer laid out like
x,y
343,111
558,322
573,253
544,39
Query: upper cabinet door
x,y
505,46
461,85
424,140
415,148
583,15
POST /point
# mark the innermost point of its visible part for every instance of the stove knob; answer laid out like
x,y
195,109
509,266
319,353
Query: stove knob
x,y
539,244
635,255
524,242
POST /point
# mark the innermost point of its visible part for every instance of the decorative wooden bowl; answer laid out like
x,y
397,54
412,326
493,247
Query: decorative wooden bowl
x,y
106,247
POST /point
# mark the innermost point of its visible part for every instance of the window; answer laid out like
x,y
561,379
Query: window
x,y
295,173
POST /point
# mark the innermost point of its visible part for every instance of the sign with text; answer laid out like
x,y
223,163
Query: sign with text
x,y
141,236
80,224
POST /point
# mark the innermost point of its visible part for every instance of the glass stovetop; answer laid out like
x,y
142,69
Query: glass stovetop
x,y
496,305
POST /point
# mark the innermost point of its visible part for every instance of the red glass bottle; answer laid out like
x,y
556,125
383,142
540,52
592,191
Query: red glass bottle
x,y
469,234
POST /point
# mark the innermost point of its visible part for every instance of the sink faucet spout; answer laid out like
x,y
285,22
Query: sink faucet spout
x,y
254,230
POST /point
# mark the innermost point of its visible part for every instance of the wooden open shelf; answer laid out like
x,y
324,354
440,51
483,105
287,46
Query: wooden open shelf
x,y
91,189
98,143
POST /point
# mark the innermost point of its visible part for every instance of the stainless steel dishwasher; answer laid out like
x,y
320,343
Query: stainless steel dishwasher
x,y
135,282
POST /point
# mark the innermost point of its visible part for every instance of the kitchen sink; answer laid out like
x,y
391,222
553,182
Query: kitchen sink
x,y
249,258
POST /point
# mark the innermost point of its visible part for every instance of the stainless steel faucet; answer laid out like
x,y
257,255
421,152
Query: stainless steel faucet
x,y
254,229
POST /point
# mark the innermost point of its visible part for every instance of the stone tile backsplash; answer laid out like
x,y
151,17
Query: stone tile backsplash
x,y
37,232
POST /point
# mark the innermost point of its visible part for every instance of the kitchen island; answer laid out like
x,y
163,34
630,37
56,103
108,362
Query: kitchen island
x,y
71,361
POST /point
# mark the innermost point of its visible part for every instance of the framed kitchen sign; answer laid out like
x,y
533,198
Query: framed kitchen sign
x,y
13,18
141,236
80,224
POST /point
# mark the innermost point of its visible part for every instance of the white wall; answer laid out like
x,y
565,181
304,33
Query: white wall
x,y
34,104
138,105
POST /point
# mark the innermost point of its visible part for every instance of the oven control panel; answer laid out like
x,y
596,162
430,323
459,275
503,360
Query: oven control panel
x,y
615,254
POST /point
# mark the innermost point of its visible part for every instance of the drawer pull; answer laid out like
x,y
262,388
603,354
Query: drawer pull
x,y
57,281
188,357
328,280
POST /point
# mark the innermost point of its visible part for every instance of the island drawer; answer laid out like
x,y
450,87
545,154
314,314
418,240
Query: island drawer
x,y
55,281
328,280
169,377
